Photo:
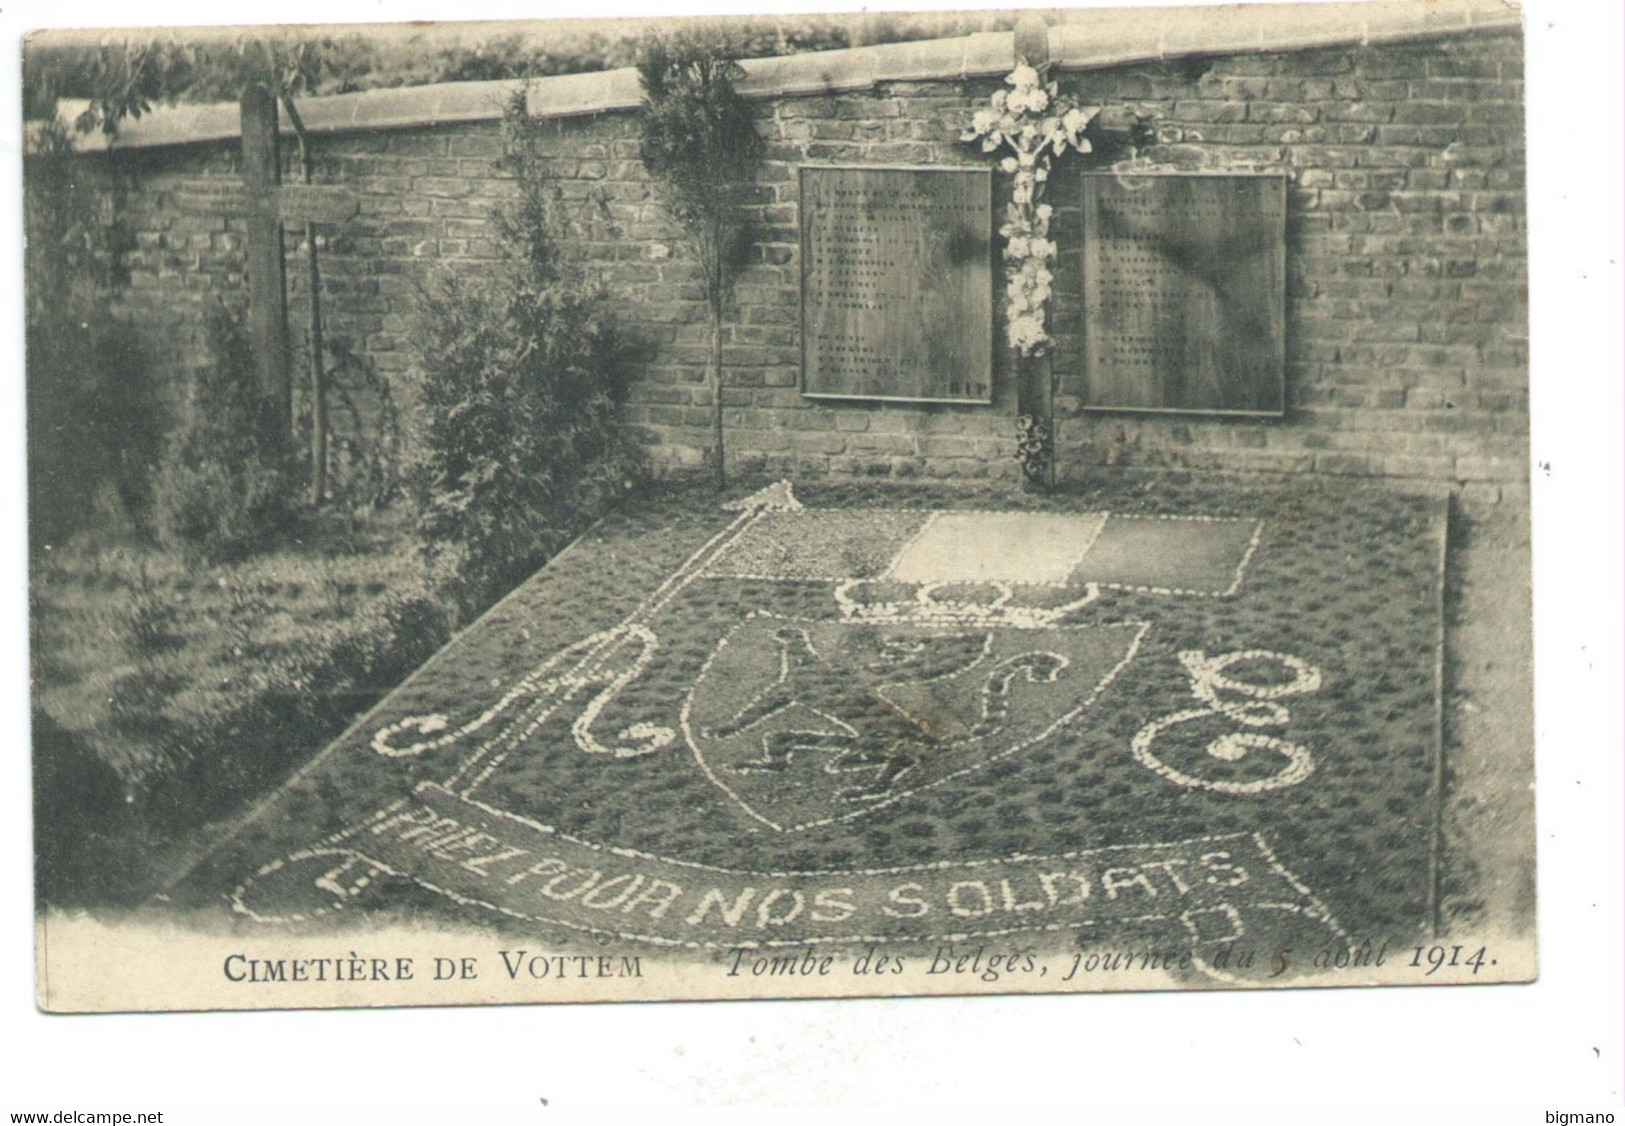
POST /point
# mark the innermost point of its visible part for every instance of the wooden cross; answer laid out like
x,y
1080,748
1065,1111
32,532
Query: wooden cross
x,y
270,204
1035,380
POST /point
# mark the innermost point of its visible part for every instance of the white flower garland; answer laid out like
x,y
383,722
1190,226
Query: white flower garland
x,y
1037,125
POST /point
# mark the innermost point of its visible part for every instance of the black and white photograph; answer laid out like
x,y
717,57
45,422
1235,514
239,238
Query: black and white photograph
x,y
827,505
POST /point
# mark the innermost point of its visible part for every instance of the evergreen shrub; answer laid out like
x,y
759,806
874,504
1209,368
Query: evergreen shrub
x,y
221,489
515,432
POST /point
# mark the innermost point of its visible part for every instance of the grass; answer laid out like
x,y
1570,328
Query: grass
x,y
167,695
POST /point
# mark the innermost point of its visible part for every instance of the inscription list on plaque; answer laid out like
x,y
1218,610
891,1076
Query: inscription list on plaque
x,y
1183,291
897,283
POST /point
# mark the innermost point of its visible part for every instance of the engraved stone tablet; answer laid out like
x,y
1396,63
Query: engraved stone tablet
x,y
897,283
1183,291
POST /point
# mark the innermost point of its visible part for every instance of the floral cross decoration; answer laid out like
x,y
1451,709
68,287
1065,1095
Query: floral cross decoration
x,y
1037,125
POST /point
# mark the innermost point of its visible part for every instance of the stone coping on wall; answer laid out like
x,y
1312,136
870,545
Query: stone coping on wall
x,y
1107,38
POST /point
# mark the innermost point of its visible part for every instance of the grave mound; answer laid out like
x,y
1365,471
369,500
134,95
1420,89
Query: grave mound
x,y
1183,712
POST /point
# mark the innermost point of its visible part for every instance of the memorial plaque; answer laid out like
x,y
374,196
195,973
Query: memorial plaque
x,y
1183,292
897,284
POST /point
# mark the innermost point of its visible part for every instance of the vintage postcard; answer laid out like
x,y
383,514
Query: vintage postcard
x,y
797,506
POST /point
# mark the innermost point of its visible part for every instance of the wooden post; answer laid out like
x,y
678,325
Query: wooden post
x,y
1035,384
313,280
267,298
1032,42
318,388
270,204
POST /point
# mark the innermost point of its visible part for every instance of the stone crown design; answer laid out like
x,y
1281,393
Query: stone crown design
x,y
930,607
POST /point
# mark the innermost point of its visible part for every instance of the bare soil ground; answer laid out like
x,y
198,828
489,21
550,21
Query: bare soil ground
x,y
1489,721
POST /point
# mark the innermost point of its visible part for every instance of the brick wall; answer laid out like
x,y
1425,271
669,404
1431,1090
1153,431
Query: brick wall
x,y
1406,346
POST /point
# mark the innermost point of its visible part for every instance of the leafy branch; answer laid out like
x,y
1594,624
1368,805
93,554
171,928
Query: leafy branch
x,y
700,142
